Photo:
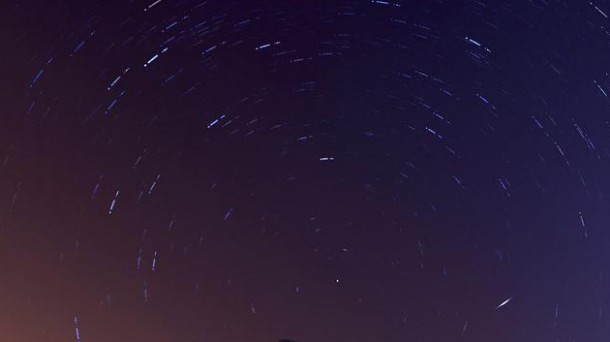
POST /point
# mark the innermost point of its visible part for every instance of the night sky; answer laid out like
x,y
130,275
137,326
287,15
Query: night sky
x,y
312,170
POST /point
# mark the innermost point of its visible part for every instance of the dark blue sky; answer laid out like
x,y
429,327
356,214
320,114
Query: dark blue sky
x,y
313,170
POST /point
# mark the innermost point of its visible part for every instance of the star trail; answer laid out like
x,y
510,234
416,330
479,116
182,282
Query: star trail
x,y
309,171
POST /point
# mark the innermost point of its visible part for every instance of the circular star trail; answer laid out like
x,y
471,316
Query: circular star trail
x,y
334,170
